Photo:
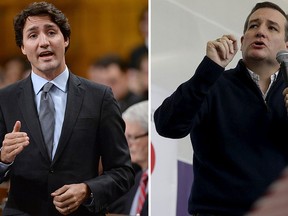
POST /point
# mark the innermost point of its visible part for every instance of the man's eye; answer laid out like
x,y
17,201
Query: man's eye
x,y
51,33
252,26
32,36
273,28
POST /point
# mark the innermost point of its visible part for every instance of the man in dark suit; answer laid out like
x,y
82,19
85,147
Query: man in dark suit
x,y
88,125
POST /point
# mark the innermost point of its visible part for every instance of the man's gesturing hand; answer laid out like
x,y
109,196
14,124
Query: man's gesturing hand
x,y
222,50
13,144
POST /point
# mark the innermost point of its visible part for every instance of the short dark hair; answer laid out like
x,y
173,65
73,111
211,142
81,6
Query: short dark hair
x,y
137,55
39,9
110,59
271,5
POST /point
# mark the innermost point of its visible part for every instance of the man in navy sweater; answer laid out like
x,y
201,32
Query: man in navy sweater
x,y
236,118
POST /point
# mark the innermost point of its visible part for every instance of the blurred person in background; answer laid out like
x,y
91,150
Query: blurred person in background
x,y
1,73
139,75
144,32
138,60
15,68
111,70
136,200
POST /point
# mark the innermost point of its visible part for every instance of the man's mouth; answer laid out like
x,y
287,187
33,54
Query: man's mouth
x,y
258,44
46,54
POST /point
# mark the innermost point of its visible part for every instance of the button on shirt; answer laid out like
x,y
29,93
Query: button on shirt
x,y
59,97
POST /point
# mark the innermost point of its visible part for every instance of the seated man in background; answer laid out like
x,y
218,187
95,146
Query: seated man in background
x,y
136,200
111,70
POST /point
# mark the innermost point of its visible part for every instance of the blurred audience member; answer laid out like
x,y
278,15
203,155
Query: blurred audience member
x,y
143,25
136,119
138,73
16,68
143,28
1,73
138,60
111,70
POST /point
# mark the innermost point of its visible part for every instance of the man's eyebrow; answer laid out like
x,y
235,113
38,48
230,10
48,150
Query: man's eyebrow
x,y
269,21
33,28
254,20
46,26
273,23
50,26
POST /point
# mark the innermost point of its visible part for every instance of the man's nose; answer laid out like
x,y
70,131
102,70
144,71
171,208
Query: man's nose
x,y
43,40
261,31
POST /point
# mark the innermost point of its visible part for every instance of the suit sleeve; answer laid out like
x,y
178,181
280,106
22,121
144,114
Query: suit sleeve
x,y
4,168
118,174
175,116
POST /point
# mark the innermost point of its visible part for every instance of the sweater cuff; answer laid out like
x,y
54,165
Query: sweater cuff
x,y
209,70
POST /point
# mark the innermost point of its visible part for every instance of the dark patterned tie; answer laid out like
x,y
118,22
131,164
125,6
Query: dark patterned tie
x,y
47,117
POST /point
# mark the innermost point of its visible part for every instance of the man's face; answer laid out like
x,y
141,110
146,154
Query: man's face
x,y
117,80
265,35
138,143
44,46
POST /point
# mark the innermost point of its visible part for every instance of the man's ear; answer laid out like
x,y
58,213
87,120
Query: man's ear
x,y
66,42
23,50
241,42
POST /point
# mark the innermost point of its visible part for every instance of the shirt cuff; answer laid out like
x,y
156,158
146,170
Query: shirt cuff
x,y
89,203
4,169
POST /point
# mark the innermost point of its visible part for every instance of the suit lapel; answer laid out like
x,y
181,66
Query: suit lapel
x,y
28,108
73,106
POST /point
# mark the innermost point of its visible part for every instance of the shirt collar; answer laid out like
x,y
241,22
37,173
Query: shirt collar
x,y
255,77
60,81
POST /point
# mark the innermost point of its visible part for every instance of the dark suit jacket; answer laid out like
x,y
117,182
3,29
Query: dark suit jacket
x,y
92,127
124,204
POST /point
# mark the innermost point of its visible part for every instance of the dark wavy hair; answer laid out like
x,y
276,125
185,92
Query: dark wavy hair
x,y
40,9
267,5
